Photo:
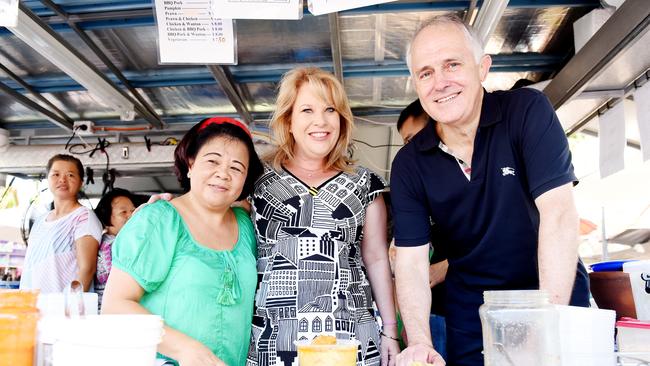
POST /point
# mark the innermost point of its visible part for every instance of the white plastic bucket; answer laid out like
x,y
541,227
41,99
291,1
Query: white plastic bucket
x,y
53,304
586,336
108,340
640,280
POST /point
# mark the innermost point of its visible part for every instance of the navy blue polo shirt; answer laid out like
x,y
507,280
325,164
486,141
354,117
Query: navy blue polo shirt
x,y
489,224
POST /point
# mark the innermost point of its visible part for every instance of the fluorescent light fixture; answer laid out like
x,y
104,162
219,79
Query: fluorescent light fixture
x,y
488,18
34,33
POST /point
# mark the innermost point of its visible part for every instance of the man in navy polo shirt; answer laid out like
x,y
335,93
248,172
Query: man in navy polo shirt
x,y
494,173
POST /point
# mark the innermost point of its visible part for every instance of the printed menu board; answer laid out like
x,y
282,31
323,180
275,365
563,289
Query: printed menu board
x,y
189,32
8,13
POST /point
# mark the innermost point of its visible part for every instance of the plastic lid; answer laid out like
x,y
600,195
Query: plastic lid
x,y
18,298
340,344
609,265
633,323
516,297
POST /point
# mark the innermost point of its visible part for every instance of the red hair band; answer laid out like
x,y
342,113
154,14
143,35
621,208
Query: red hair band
x,y
221,120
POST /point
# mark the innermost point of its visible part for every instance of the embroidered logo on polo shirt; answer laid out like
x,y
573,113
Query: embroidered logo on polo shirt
x,y
507,171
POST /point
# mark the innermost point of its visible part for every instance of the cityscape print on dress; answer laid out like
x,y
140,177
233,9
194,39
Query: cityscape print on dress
x,y
311,278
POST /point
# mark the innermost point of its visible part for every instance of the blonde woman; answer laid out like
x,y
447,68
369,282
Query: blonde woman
x,y
321,228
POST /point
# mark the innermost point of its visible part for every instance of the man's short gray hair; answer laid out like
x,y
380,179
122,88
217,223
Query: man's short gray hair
x,y
449,18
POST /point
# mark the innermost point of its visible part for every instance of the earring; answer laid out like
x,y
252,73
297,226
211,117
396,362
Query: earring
x,y
189,174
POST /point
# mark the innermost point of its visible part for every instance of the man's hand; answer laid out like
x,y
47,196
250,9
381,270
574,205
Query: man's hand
x,y
422,353
437,273
154,198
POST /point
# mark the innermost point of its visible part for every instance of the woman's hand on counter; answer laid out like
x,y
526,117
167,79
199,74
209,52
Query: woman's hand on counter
x,y
194,353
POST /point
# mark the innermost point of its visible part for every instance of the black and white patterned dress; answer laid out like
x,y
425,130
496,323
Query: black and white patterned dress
x,y
311,278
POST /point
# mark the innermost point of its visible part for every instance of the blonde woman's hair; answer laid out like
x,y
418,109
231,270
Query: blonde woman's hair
x,y
328,89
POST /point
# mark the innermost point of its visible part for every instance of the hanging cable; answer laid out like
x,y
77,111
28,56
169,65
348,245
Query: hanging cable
x,y
7,189
74,132
377,146
386,124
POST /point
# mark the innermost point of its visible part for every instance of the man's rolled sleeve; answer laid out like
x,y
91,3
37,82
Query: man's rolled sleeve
x,y
545,148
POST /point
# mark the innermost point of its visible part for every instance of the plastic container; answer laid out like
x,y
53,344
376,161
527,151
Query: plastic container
x,y
53,309
612,290
610,265
634,336
18,319
343,353
639,272
108,340
53,304
519,328
586,336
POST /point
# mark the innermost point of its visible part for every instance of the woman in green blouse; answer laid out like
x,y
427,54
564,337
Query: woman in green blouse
x,y
192,260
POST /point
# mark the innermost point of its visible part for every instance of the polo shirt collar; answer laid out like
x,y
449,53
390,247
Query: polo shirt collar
x,y
428,138
490,110
490,115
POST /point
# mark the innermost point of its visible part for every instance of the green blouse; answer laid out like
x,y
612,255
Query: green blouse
x,y
206,294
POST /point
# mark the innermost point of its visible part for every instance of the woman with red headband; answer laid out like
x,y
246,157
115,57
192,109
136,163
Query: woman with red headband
x,y
321,231
191,260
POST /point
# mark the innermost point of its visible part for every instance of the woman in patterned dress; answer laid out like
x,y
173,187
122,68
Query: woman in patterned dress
x,y
321,228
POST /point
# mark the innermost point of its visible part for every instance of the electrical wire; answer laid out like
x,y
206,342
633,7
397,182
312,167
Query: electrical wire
x,y
377,146
386,124
84,142
74,132
375,167
101,145
7,189
133,128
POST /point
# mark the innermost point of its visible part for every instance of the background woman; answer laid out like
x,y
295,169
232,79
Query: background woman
x,y
113,210
192,260
62,245
321,229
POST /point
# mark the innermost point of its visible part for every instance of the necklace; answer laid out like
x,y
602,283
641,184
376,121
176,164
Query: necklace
x,y
311,172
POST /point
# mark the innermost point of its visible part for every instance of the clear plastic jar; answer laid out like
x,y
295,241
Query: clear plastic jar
x,y
519,328
18,319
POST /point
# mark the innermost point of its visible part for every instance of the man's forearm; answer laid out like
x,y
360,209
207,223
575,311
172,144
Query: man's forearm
x,y
558,255
414,294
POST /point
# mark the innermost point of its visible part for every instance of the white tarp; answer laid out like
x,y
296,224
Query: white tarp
x,y
642,102
318,7
611,130
258,9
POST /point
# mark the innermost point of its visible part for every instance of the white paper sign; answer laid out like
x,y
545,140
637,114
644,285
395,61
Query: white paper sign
x,y
8,13
318,7
258,9
190,33
611,132
642,102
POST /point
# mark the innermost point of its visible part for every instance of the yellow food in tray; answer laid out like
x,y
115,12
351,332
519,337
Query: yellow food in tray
x,y
324,340
327,351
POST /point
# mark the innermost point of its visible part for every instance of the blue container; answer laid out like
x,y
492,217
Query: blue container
x,y
609,266
10,284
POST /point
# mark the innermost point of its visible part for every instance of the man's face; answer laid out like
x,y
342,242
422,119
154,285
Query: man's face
x,y
446,75
412,126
